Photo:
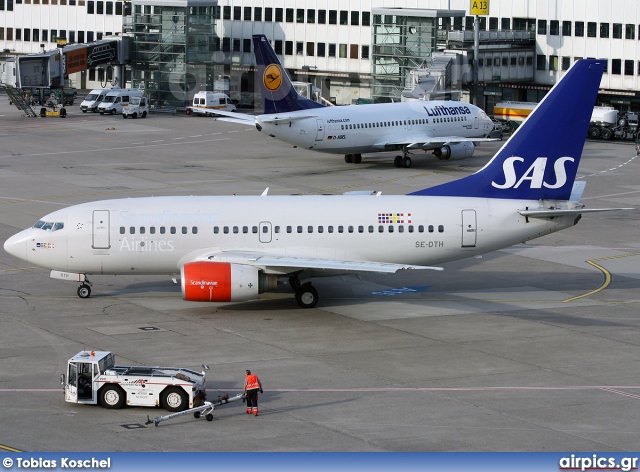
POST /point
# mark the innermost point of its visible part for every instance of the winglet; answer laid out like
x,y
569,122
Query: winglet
x,y
540,160
278,93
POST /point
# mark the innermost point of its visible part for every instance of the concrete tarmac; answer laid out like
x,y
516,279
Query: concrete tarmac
x,y
532,348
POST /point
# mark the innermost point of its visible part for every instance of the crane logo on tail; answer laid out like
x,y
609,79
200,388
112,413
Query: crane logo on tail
x,y
272,77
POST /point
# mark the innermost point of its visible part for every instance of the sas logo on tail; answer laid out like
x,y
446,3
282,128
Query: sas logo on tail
x,y
272,77
534,174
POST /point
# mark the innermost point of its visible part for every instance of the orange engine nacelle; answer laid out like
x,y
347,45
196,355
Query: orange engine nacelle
x,y
223,282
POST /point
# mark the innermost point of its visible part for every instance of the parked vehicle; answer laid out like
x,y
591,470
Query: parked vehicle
x,y
206,103
116,100
138,107
93,100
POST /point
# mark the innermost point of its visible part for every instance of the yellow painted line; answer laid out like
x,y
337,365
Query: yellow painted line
x,y
605,272
10,449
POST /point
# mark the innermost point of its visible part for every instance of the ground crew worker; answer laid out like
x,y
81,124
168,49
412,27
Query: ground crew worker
x,y
251,387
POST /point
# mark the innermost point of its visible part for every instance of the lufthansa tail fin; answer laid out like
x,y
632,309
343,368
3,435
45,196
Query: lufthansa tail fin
x,y
540,160
278,94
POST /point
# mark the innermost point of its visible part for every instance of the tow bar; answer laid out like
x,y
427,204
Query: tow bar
x,y
205,410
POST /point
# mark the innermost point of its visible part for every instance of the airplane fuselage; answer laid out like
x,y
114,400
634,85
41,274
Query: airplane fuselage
x,y
370,128
158,235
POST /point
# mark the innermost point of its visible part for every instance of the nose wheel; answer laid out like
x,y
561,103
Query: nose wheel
x,y
84,290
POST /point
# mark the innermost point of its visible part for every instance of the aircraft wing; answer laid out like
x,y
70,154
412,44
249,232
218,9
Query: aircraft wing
x,y
288,264
432,142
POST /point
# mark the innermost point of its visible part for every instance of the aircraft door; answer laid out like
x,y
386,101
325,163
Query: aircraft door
x,y
476,122
320,132
265,231
71,387
408,124
101,229
469,228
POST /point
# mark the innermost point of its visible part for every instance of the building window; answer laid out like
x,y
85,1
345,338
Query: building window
x,y
542,26
365,52
268,14
36,35
553,63
630,32
322,17
300,15
566,62
332,50
247,13
109,6
90,4
9,34
616,66
27,34
89,36
100,8
226,44
566,28
333,17
344,17
18,34
321,49
279,15
226,12
288,48
257,16
310,49
468,22
592,29
606,64
366,18
119,8
343,51
628,67
311,16
493,23
299,47
554,27
617,31
353,51
579,28
604,30
278,46
289,17
236,45
541,62
246,45
72,36
237,13
355,18
506,24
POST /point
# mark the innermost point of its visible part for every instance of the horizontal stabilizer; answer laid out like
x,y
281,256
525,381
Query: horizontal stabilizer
x,y
280,118
234,120
240,117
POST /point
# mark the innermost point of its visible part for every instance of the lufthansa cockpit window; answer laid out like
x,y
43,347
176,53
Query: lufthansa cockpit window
x,y
48,226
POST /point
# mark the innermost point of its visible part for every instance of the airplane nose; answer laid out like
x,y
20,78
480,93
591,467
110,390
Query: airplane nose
x,y
16,245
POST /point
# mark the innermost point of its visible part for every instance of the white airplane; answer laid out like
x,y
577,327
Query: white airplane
x,y
233,248
447,128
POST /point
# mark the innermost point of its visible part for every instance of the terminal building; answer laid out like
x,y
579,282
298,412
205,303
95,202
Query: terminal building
x,y
351,51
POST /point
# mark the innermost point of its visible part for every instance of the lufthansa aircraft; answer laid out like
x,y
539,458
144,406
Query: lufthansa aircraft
x,y
234,248
447,128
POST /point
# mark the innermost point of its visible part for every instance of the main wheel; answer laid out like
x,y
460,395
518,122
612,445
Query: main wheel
x,y
84,291
348,158
112,397
406,162
357,158
174,399
307,296
398,161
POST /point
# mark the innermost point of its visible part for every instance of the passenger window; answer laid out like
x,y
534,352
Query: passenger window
x,y
225,230
254,229
276,229
245,229
420,229
431,228
172,230
330,229
411,228
289,229
360,229
132,230
235,230
184,230
371,229
142,230
122,230
162,229
391,228
152,230
440,229
400,229
310,229
351,229
320,229
381,229
194,230
299,229
216,230
340,229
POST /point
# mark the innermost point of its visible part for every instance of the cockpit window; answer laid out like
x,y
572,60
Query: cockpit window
x,y
48,226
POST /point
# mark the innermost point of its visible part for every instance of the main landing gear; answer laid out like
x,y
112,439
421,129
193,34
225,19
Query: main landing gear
x,y
353,158
306,294
84,290
404,160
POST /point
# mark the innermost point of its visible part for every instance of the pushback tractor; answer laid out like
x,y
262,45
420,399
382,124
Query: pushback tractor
x,y
93,378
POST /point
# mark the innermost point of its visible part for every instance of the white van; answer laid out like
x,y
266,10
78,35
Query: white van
x,y
115,100
92,101
206,103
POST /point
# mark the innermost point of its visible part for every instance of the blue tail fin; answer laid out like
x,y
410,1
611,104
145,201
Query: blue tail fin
x,y
541,159
278,94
